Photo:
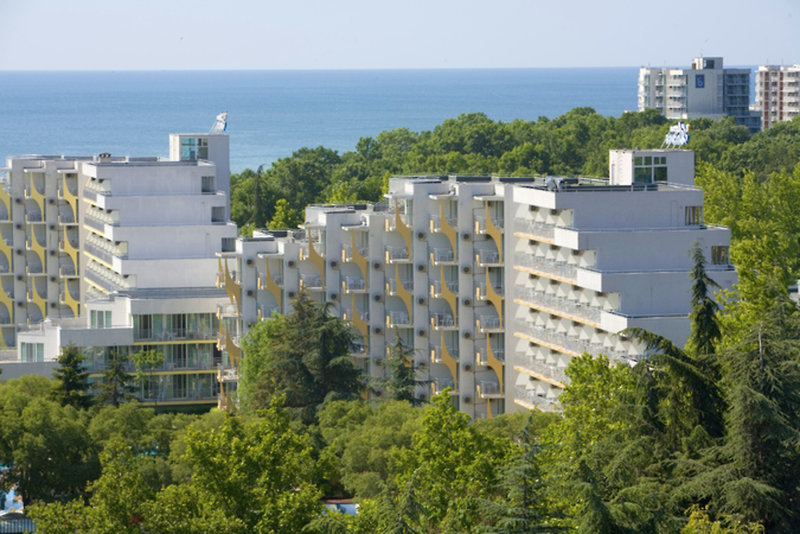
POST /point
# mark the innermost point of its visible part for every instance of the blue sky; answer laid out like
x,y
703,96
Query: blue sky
x,y
365,34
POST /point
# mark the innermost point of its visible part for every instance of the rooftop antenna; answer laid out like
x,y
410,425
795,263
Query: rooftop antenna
x,y
221,124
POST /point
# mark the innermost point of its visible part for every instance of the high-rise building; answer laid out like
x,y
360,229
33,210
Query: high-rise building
x,y
120,256
493,283
705,90
777,93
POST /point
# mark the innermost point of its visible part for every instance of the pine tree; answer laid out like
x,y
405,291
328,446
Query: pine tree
x,y
703,316
402,382
116,387
73,380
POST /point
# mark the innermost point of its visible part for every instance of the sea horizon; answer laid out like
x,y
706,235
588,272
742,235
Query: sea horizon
x,y
273,113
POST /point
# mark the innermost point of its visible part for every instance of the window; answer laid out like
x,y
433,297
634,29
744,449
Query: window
x,y
179,386
207,184
179,360
694,215
100,319
202,149
143,326
189,149
32,352
720,255
218,214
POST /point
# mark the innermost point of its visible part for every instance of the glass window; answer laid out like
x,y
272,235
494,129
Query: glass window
x,y
642,175
638,160
659,174
694,215
648,160
720,255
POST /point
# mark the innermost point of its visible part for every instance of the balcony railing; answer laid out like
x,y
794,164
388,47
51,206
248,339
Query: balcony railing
x,y
394,286
540,402
569,344
354,284
441,255
560,304
537,229
396,253
542,369
312,281
547,266
483,257
488,322
452,285
397,318
442,320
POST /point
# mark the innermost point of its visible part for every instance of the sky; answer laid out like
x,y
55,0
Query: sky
x,y
376,34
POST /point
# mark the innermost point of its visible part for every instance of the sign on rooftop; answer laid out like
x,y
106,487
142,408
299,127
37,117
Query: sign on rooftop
x,y
678,135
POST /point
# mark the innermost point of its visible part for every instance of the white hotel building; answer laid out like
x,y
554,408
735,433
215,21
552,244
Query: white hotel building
x,y
494,283
118,254
777,93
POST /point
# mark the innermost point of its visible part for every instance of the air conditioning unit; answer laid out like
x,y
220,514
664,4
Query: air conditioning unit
x,y
19,252
377,330
465,236
468,367
376,265
51,201
291,294
52,304
291,264
467,335
250,292
333,297
53,278
466,269
20,278
52,252
467,399
18,226
334,264
421,300
249,261
52,227
421,332
377,297
420,235
421,267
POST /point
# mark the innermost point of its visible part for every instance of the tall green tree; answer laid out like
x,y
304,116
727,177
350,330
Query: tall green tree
x,y
402,382
116,387
304,357
146,362
72,378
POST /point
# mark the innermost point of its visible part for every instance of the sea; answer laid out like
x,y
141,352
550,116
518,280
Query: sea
x,y
271,114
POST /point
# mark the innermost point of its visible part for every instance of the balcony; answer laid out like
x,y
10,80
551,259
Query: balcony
x,y
561,307
487,258
546,267
489,389
492,293
531,399
397,254
488,324
539,369
34,297
310,281
398,319
536,230
355,255
360,321
493,359
442,256
446,289
353,285
441,353
66,246
272,283
397,287
5,200
444,225
66,299
33,193
442,321
227,279
66,195
495,231
265,312
566,344
34,246
397,224
439,385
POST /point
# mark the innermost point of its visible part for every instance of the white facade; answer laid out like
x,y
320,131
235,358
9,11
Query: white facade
x,y
705,90
496,314
777,93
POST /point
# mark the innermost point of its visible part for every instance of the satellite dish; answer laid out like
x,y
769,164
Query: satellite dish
x,y
221,124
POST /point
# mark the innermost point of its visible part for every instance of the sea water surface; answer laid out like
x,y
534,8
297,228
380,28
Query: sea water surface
x,y
273,113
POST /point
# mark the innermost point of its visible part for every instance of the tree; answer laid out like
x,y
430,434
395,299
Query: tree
x,y
116,387
703,316
285,216
147,361
73,380
402,383
304,357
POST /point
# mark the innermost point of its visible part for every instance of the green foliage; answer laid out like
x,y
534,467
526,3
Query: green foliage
x,y
116,386
72,379
366,442
304,358
146,362
402,381
285,217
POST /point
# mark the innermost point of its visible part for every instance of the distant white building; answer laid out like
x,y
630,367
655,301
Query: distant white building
x,y
704,90
494,283
777,93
